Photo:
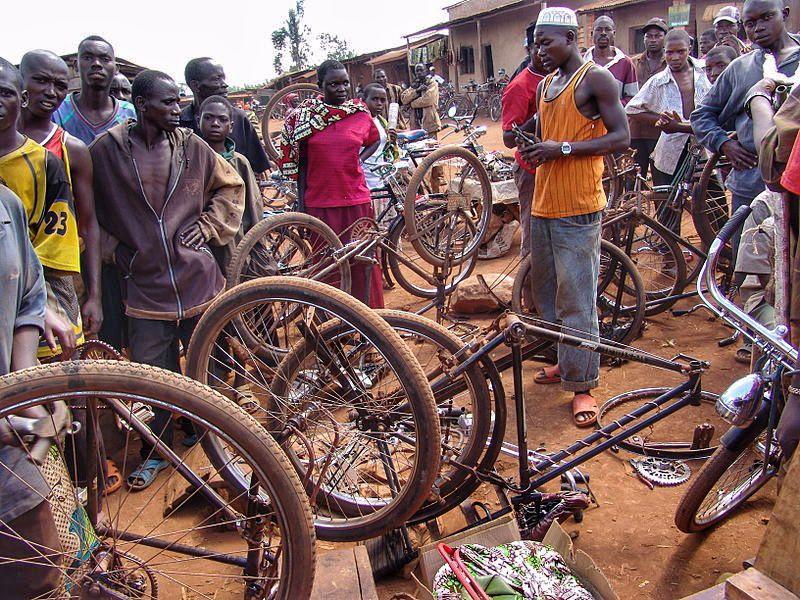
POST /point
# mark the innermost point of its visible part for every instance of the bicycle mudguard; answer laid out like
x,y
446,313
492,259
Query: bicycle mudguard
x,y
737,438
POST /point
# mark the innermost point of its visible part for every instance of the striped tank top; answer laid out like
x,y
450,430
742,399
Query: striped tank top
x,y
572,185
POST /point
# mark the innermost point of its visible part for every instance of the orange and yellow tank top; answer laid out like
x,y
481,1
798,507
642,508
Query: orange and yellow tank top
x,y
572,185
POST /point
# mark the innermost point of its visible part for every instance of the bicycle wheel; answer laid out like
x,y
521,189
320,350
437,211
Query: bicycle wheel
x,y
446,212
463,403
670,438
275,111
710,208
495,107
657,257
620,294
150,547
401,252
463,105
353,410
289,243
724,483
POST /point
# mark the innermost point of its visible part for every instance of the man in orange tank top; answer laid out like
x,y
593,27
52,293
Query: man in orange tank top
x,y
580,120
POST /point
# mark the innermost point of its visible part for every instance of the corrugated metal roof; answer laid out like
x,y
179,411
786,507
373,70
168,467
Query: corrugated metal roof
x,y
606,5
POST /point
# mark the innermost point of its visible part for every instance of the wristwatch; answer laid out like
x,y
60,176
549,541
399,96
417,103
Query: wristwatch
x,y
566,148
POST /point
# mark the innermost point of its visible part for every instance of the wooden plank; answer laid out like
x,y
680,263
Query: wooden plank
x,y
715,593
752,584
337,576
365,578
778,555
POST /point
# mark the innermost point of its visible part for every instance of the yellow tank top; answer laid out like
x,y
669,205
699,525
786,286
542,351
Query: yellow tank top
x,y
572,185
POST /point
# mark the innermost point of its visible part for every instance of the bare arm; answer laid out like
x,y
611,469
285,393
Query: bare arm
x,y
603,89
23,347
82,174
606,94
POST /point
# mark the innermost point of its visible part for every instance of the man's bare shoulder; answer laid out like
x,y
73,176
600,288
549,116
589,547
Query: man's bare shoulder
x,y
600,80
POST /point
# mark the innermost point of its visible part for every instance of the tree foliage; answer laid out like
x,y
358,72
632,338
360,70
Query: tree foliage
x,y
292,38
293,51
334,47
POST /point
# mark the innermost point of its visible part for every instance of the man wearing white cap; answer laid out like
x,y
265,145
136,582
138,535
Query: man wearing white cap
x,y
726,26
580,120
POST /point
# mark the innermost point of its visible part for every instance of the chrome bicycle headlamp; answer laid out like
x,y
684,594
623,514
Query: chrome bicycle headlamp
x,y
739,403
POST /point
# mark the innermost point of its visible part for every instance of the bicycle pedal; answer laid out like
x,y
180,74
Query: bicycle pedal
x,y
138,410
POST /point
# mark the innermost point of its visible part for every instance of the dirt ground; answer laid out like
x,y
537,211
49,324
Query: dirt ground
x,y
631,534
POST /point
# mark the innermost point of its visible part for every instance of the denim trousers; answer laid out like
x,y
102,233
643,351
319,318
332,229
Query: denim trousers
x,y
565,265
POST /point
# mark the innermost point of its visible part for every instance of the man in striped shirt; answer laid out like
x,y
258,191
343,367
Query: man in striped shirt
x,y
605,54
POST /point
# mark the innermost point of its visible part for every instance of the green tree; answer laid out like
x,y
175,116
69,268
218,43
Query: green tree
x,y
292,37
334,47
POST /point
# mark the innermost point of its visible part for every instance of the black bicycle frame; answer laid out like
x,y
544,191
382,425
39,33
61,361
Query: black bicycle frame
x,y
516,334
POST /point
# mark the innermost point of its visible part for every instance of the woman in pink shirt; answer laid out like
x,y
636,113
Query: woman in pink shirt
x,y
322,145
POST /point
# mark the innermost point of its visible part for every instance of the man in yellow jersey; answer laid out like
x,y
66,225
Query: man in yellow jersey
x,y
580,120
40,181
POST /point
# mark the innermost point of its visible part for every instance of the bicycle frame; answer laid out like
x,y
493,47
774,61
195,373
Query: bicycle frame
x,y
540,333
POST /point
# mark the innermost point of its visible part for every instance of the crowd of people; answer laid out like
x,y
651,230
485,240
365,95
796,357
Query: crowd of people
x,y
576,106
119,209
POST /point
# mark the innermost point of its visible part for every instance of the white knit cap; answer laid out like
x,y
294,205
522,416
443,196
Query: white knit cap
x,y
557,16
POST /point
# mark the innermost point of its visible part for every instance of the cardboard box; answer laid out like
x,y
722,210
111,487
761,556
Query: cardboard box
x,y
502,531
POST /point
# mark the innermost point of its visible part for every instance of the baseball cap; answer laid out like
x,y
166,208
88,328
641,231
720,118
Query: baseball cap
x,y
727,13
557,16
657,23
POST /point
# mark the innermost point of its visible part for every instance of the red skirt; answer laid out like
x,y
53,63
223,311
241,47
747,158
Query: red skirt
x,y
367,284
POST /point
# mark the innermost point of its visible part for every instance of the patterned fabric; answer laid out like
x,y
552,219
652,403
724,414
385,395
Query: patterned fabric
x,y
532,571
312,115
69,117
621,67
660,94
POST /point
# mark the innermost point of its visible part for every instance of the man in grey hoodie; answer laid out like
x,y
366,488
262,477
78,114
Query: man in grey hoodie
x,y
765,25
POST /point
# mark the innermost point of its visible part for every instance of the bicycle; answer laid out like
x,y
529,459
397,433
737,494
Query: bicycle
x,y
748,456
255,542
477,97
337,388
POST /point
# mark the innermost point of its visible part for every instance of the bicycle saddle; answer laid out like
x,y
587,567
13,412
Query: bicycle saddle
x,y
412,136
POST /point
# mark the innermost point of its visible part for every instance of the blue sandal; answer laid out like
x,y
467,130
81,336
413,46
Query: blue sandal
x,y
145,474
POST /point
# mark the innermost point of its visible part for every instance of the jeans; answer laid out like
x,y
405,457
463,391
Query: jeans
x,y
565,266
155,343
525,182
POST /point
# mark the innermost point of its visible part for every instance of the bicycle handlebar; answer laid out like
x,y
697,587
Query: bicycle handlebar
x,y
726,309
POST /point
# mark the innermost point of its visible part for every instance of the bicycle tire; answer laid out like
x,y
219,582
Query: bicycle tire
x,y
397,268
287,225
495,107
521,301
296,88
473,380
422,225
672,450
657,257
687,517
116,379
463,105
386,342
710,208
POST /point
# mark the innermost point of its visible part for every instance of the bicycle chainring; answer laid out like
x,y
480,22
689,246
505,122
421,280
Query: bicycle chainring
x,y
662,472
363,229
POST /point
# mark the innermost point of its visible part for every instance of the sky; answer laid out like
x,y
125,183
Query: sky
x,y
238,34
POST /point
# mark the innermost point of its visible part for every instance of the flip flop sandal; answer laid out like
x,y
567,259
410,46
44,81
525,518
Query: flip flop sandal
x,y
583,404
542,378
144,476
113,478
743,355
